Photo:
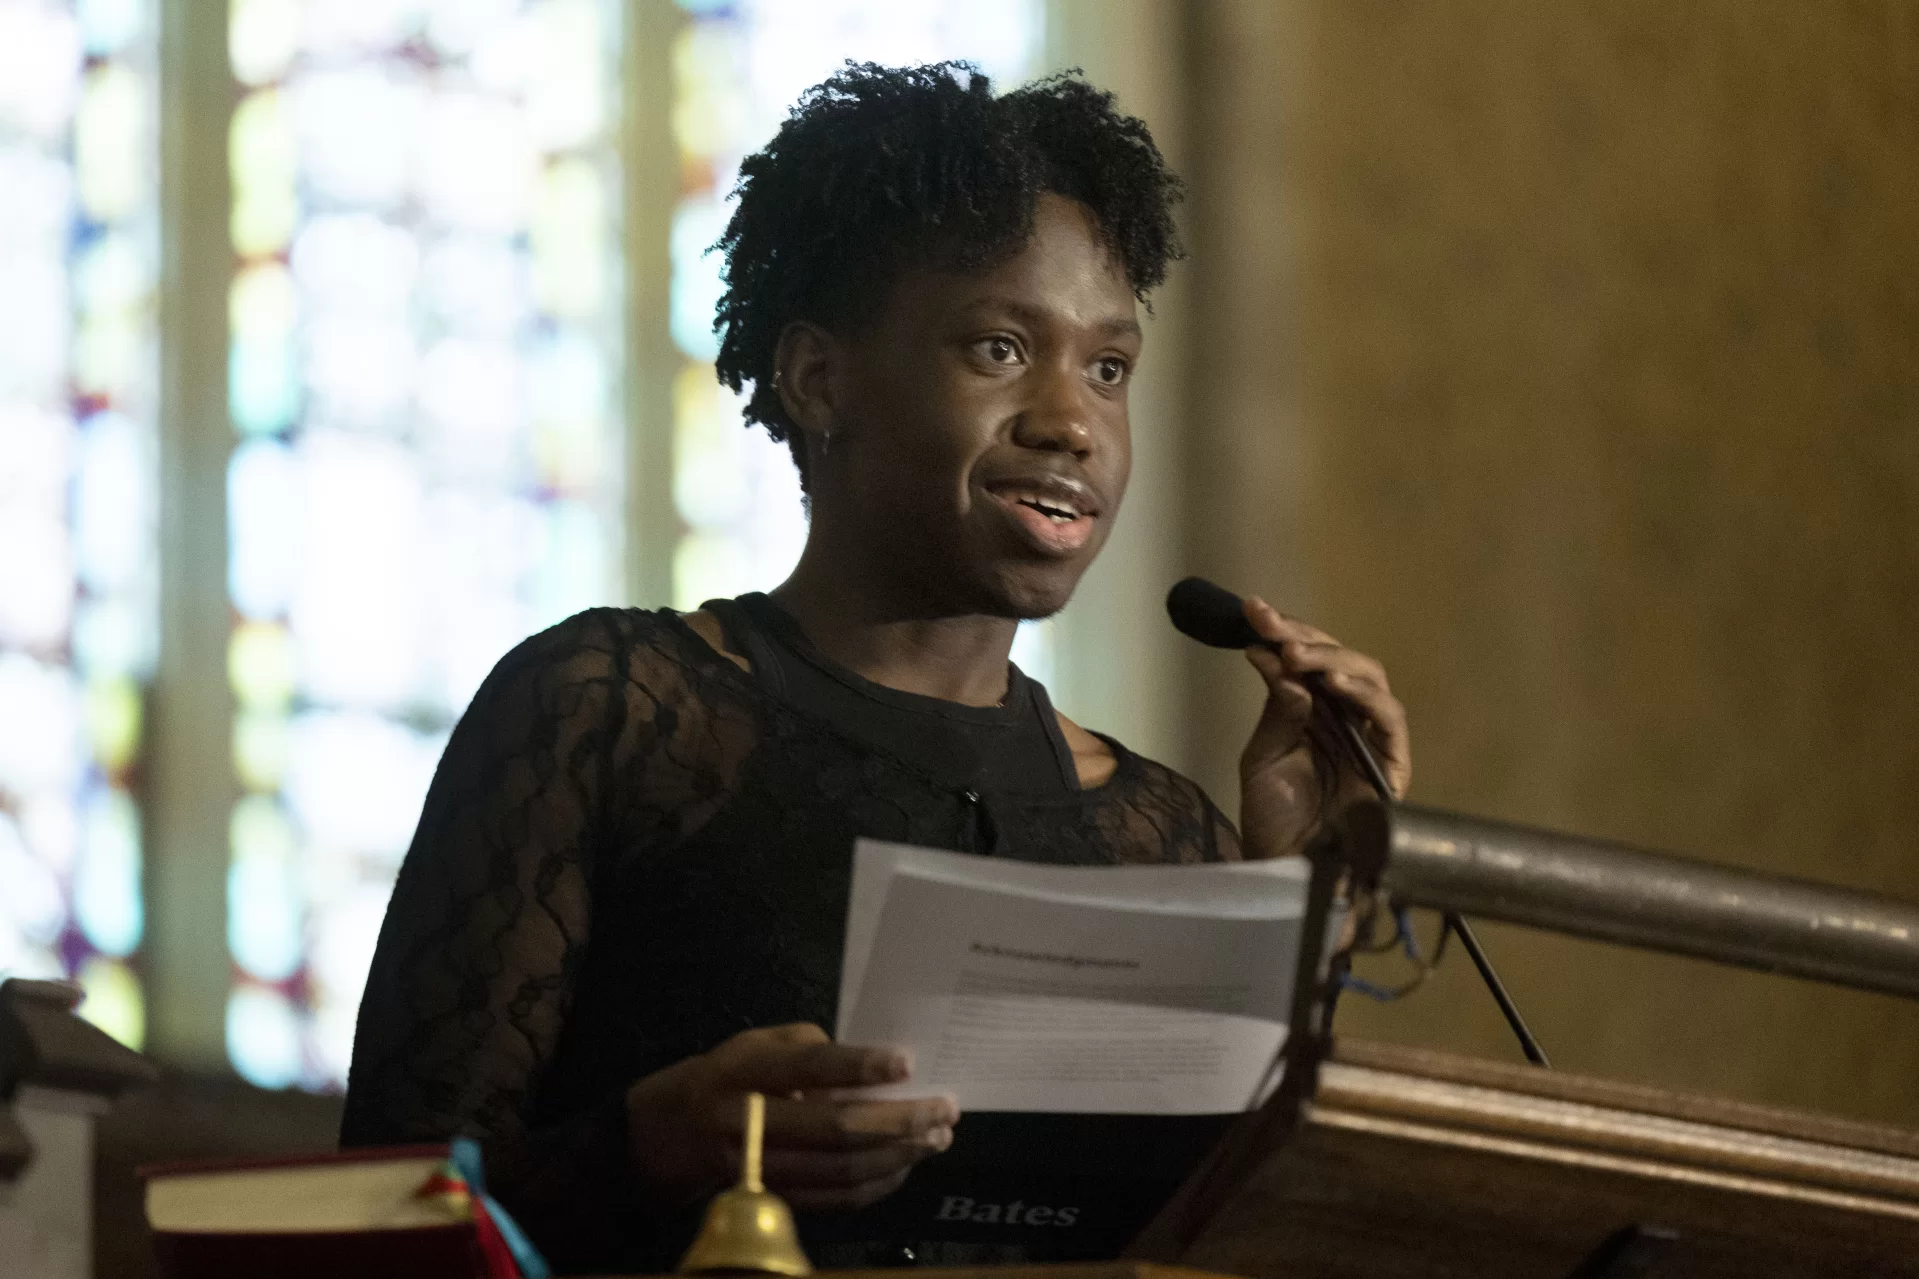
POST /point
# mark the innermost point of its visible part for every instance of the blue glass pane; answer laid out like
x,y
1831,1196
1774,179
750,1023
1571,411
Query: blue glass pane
x,y
106,884
261,390
111,26
114,518
264,907
696,277
263,528
263,1037
578,561
115,637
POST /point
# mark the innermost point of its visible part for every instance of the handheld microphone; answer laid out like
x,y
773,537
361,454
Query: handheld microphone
x,y
1214,615
1210,614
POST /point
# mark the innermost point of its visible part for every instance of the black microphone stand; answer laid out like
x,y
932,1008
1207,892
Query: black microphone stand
x,y
1362,753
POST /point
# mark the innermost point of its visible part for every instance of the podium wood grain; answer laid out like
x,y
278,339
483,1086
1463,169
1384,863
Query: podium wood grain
x,y
1404,1163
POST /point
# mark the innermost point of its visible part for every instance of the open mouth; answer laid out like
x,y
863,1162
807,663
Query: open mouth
x,y
1058,512
1054,518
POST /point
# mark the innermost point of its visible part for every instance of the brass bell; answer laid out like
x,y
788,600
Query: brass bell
x,y
748,1229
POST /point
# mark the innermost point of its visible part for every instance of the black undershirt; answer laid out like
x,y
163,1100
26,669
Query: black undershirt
x,y
1013,748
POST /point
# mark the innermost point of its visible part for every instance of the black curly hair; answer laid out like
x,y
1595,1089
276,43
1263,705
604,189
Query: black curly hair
x,y
881,167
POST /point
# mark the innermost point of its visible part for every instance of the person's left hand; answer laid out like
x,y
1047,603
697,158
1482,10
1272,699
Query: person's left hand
x,y
1295,771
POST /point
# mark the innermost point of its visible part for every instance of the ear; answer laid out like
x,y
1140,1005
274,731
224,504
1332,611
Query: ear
x,y
804,364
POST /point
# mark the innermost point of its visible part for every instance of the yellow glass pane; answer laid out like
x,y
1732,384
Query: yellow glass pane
x,y
709,566
710,481
569,239
110,354
261,743
261,144
114,1001
260,303
110,134
260,666
709,100
263,222
263,157
113,722
259,830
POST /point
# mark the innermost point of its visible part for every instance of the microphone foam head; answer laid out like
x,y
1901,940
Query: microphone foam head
x,y
1210,614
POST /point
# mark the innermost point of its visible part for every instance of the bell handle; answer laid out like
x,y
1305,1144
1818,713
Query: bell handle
x,y
755,1139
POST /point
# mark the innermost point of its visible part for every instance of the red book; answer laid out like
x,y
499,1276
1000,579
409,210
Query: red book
x,y
368,1214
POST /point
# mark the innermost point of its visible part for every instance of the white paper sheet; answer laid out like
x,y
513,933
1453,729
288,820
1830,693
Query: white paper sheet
x,y
1122,989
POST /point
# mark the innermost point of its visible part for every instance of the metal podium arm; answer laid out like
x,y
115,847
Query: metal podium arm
x,y
1657,901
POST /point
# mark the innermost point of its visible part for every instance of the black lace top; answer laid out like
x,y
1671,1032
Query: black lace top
x,y
631,850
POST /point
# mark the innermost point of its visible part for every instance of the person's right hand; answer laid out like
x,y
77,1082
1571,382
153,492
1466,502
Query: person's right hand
x,y
685,1123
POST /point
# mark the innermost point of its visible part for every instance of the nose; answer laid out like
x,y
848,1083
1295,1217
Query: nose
x,y
1059,418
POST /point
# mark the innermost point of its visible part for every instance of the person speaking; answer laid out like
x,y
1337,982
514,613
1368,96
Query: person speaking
x,y
624,903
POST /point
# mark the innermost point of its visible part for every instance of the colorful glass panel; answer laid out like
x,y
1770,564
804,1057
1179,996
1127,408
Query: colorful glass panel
x,y
422,382
737,69
78,475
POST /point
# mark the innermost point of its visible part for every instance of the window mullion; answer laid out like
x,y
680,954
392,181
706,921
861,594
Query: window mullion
x,y
190,789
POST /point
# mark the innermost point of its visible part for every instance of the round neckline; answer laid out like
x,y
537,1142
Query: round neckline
x,y
1126,761
765,610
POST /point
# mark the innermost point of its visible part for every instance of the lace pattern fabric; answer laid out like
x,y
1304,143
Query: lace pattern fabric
x,y
629,853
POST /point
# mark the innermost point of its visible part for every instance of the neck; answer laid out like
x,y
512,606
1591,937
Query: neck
x,y
899,643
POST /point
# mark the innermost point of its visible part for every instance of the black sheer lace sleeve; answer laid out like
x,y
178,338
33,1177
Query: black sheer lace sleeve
x,y
589,731
1149,813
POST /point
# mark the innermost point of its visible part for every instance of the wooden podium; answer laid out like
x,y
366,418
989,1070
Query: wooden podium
x,y
1403,1162
1389,1162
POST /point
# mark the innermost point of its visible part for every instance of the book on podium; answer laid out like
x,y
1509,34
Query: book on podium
x,y
379,1213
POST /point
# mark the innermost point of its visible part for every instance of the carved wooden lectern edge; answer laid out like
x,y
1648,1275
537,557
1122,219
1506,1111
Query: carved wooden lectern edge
x,y
1628,1096
1841,1178
1436,1098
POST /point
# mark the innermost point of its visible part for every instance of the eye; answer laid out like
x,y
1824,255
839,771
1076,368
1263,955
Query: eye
x,y
998,349
1110,370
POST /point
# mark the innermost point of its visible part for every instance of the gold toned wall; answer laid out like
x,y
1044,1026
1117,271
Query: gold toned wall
x,y
1566,356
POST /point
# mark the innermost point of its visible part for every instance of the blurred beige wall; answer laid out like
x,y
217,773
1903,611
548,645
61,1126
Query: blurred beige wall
x,y
1566,357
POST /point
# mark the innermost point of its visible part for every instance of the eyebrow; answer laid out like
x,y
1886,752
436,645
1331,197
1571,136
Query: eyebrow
x,y
1027,314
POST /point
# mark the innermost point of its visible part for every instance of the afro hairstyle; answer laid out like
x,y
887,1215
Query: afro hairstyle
x,y
881,168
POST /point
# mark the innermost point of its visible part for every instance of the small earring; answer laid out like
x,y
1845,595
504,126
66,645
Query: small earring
x,y
826,443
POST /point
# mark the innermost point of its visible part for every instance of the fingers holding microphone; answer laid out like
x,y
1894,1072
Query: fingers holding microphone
x,y
1309,655
1300,655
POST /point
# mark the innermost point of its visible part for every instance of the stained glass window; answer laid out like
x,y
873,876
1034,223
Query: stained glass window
x,y
78,533
737,68
422,384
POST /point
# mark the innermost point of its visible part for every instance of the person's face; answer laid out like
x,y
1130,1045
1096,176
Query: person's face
x,y
980,443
